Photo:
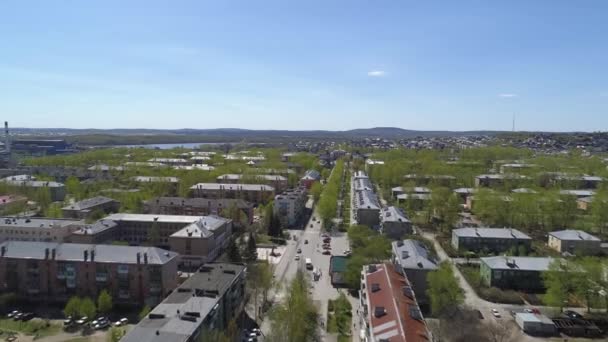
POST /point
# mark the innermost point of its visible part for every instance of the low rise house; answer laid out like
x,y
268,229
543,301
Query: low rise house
x,y
309,178
423,180
415,201
37,229
584,203
577,193
490,240
515,167
198,239
206,302
514,273
86,208
389,309
535,324
499,180
394,223
576,242
152,179
578,182
201,207
169,161
290,206
255,193
50,271
412,259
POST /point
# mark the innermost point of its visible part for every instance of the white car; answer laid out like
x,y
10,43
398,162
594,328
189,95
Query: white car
x,y
495,313
297,257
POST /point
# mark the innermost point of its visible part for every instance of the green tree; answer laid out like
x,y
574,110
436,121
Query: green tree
x,y
104,302
87,307
54,211
116,334
234,255
72,307
444,291
560,282
154,234
316,190
144,312
251,254
74,188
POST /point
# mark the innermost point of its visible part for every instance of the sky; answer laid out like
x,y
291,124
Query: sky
x,y
300,65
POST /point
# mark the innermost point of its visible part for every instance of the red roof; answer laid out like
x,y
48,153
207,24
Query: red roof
x,y
393,313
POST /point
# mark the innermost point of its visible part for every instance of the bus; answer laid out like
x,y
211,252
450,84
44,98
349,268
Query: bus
x,y
308,264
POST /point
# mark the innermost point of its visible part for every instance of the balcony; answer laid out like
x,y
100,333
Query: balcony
x,y
101,277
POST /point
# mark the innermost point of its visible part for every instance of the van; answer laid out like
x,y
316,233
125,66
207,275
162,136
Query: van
x,y
308,264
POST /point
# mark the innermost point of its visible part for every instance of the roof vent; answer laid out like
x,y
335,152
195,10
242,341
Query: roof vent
x,y
379,311
405,254
375,287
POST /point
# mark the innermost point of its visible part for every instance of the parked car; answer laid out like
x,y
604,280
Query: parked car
x,y
324,235
299,250
306,242
496,313
82,320
297,257
12,313
327,240
326,252
124,321
101,325
17,316
26,316
68,321
573,314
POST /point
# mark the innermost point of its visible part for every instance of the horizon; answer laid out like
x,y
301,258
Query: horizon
x,y
340,66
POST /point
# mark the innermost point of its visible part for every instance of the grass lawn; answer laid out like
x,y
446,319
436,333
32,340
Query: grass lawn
x,y
339,317
35,327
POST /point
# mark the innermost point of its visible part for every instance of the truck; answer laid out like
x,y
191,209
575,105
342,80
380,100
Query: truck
x,y
309,264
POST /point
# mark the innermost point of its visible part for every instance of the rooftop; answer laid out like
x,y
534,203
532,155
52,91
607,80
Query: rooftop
x,y
312,174
170,321
146,179
200,202
394,314
362,184
491,233
366,199
256,176
393,214
577,193
412,254
230,187
75,252
501,176
36,222
422,197
521,263
360,174
573,235
88,203
465,190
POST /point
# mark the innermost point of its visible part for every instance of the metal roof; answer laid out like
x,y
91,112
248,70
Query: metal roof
x,y
366,199
393,214
491,233
573,235
145,179
540,264
36,222
88,203
412,254
232,187
75,252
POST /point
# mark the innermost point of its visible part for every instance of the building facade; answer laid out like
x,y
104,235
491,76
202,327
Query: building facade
x,y
277,181
255,193
514,273
201,207
394,223
290,206
309,178
48,271
575,242
37,229
490,240
412,259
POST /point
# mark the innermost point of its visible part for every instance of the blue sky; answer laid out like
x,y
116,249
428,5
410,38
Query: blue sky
x,y
430,65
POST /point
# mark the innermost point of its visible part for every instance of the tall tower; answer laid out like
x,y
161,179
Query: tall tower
x,y
7,141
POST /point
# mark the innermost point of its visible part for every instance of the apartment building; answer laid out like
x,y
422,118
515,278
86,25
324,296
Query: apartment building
x,y
412,259
499,180
491,240
309,178
277,181
388,308
576,242
514,273
394,223
290,206
201,207
198,239
255,193
86,208
56,190
37,229
366,208
49,271
205,302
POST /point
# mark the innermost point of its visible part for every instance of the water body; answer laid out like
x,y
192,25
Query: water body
x,y
170,146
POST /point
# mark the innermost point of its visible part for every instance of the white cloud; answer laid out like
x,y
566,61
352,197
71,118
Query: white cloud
x,y
376,73
507,95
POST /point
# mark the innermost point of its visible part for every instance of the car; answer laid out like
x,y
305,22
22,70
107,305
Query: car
x,y
82,320
68,321
26,316
12,313
311,225
573,314
306,242
326,252
324,235
327,240
124,321
299,250
101,325
326,247
297,257
257,331
347,252
17,316
528,310
495,313
117,324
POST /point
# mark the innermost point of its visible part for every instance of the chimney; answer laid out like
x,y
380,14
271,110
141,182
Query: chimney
x,y
146,258
53,254
7,142
138,258
92,255
46,254
86,255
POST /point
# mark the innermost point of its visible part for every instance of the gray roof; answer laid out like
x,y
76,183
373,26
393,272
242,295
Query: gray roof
x,y
105,167
75,251
88,203
415,176
35,222
465,190
366,199
232,176
96,227
393,214
362,184
578,193
203,228
493,233
501,176
573,235
146,179
520,263
312,174
422,197
360,174
412,254
199,293
232,187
